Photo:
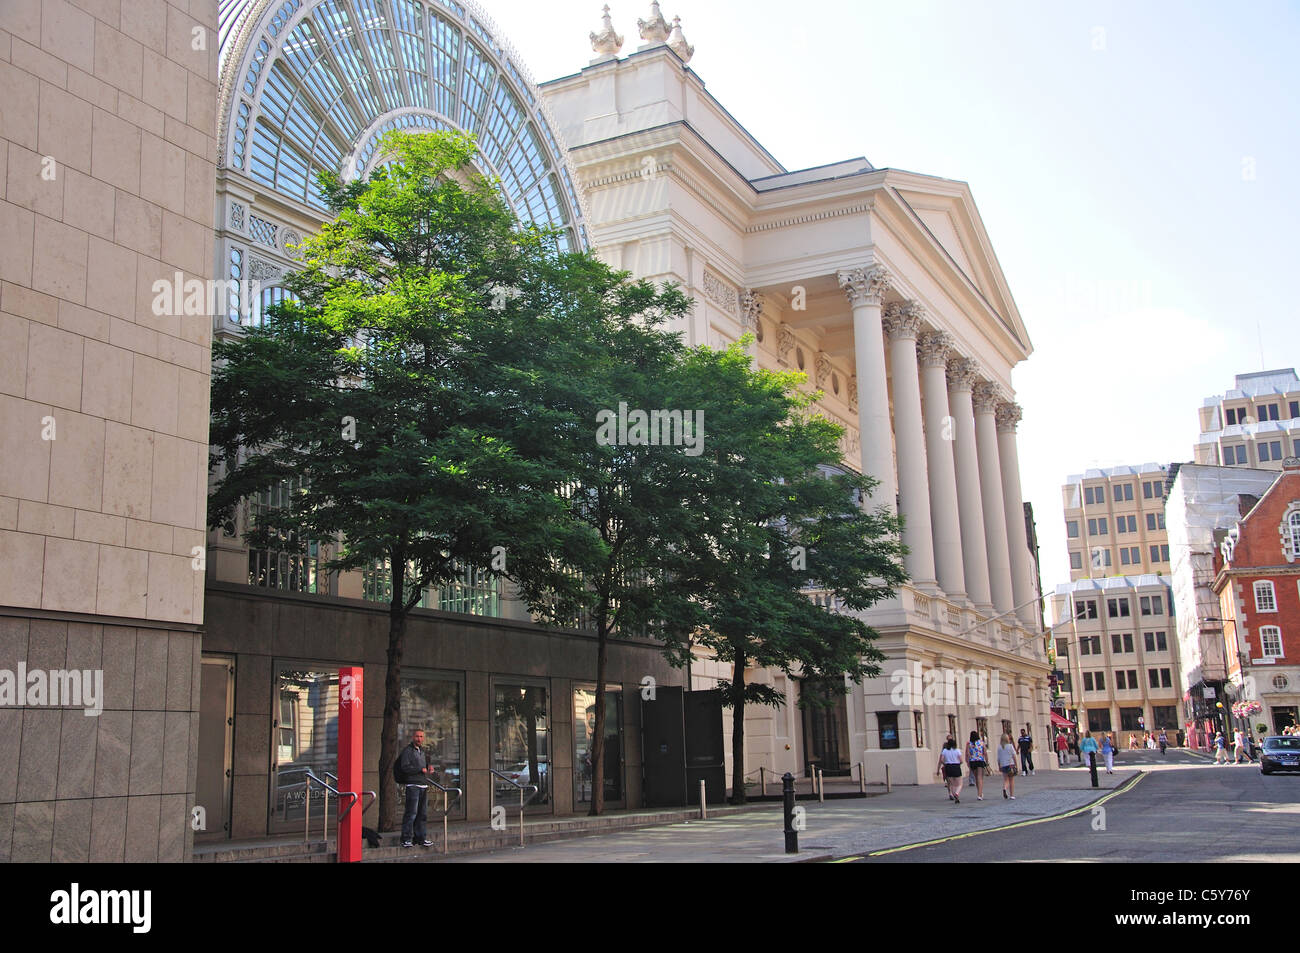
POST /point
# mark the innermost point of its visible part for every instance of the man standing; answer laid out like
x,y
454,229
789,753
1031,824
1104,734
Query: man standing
x,y
1062,746
411,771
1026,744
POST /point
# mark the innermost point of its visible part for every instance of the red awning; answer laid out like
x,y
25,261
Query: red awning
x,y
1059,722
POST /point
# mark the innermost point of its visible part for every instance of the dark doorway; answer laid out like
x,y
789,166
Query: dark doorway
x,y
1283,717
825,718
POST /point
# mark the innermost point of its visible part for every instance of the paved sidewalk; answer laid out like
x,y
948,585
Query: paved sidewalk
x,y
833,830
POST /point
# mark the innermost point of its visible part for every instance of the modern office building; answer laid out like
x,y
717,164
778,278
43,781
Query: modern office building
x,y
1115,522
108,146
220,662
1255,424
1119,655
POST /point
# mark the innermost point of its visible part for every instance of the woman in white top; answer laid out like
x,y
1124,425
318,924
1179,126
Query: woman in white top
x,y
950,759
1007,763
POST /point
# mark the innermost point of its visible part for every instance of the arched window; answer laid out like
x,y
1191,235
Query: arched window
x,y
264,299
1265,598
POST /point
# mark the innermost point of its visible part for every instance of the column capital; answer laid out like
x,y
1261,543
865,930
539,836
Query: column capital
x,y
934,348
962,374
902,320
1008,416
751,309
986,397
863,286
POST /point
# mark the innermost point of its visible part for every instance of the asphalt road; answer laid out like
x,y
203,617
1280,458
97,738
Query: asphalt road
x,y
1185,809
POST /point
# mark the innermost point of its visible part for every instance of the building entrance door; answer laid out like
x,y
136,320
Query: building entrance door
x,y
825,729
216,732
1284,717
584,721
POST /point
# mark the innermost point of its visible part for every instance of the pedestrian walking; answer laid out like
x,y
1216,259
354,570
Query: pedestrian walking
x,y
950,759
948,743
1108,752
1026,744
1074,747
1220,748
1088,750
1062,748
978,760
1007,765
1164,742
1239,748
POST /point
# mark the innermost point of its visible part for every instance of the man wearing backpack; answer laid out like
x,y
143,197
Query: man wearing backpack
x,y
410,770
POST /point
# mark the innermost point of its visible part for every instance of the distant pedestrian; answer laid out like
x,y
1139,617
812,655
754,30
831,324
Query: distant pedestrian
x,y
1164,742
1220,749
1133,742
1074,746
1108,752
978,760
1239,748
939,768
1088,750
1062,748
1026,744
950,758
1007,765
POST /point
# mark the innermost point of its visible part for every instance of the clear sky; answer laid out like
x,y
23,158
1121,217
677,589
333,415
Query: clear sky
x,y
1137,167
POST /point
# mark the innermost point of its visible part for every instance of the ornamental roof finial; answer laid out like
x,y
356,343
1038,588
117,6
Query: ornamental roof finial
x,y
677,42
655,30
607,42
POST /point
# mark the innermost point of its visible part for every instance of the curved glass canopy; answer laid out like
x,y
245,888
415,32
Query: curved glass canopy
x,y
312,85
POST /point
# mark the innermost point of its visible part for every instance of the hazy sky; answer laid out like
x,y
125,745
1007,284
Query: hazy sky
x,y
1135,165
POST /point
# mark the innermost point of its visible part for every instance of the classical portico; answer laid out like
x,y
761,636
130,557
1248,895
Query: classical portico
x,y
883,288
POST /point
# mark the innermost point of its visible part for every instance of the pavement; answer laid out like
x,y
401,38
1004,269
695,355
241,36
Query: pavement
x,y
834,830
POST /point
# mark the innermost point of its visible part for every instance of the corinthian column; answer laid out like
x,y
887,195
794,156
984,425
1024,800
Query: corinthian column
x,y
864,288
1022,578
995,515
961,378
939,433
903,324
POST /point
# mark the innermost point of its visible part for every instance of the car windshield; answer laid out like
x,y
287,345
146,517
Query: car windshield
x,y
1284,744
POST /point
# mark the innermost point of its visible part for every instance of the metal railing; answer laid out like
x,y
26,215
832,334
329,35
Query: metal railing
x,y
329,789
522,802
370,794
447,805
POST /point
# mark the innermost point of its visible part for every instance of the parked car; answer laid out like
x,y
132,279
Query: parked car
x,y
1280,753
519,774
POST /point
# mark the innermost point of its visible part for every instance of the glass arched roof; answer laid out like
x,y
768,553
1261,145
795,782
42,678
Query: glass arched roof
x,y
312,85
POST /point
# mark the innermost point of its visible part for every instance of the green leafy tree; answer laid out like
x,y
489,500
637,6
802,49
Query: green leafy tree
x,y
774,515
431,387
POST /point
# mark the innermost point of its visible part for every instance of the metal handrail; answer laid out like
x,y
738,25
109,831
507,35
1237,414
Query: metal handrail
x,y
522,803
325,829
371,794
447,803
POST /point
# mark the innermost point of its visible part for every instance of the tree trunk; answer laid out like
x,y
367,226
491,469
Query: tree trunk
x,y
597,744
389,742
738,732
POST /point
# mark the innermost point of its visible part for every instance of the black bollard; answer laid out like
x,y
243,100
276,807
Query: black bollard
x,y
1092,766
791,835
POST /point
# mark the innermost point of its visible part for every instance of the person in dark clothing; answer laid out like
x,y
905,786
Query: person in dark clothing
x,y
1026,744
412,770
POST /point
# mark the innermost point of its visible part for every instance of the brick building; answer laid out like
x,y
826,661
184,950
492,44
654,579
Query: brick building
x,y
1257,580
